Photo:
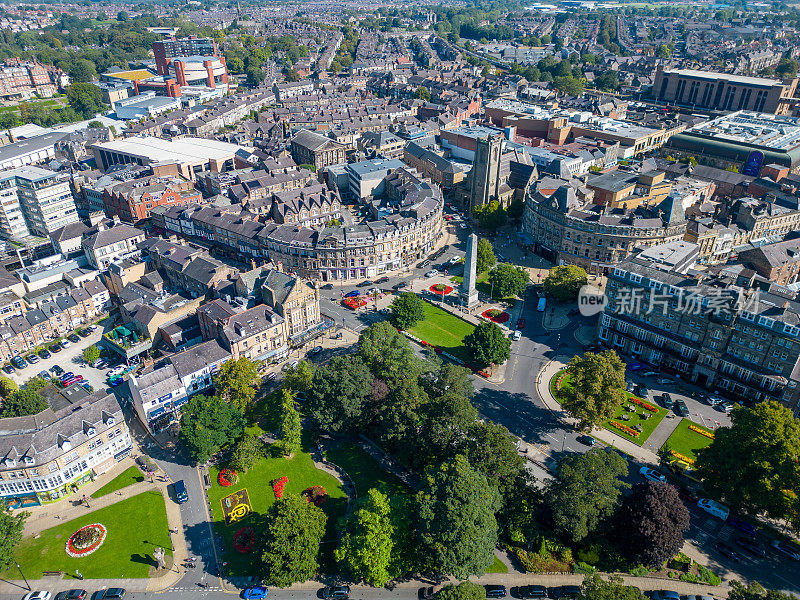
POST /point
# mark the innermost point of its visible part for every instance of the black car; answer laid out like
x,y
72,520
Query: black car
x,y
44,354
19,362
532,591
73,338
592,348
383,279
327,286
336,592
58,371
751,546
400,286
565,591
8,369
495,591
586,440
112,593
55,348
366,283
666,400
71,595
641,391
726,551
425,593
84,333
680,408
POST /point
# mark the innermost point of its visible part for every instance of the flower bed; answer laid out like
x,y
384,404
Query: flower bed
x,y
496,315
629,430
682,457
244,540
696,429
441,289
316,495
278,485
86,540
228,477
354,303
643,404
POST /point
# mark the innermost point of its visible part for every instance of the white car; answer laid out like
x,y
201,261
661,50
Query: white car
x,y
40,595
516,335
116,371
652,474
713,507
455,260
432,273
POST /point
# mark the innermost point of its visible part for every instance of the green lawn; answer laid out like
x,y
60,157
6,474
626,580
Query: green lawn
x,y
687,442
128,477
135,527
648,426
498,566
302,474
444,330
363,470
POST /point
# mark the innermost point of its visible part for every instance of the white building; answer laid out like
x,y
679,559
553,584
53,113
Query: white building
x,y
45,198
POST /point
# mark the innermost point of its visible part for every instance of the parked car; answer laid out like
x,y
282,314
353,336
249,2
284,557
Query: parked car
x,y
789,550
71,595
8,369
352,294
255,592
726,407
65,344
383,279
93,327
314,351
713,507
495,591
742,526
726,551
454,260
666,381
19,362
527,592
66,375
564,591
630,387
587,440
516,336
39,595
44,353
327,286
84,333
56,370
432,273
751,546
652,474
73,338
112,593
400,286
366,283
426,592
663,595
680,408
32,359
87,387
687,495
55,348
521,323
666,400
636,366
99,363
181,494
641,391
336,592
649,374
45,375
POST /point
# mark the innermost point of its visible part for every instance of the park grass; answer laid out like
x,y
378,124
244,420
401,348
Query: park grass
x,y
444,330
648,426
136,526
128,477
498,566
687,442
365,472
302,474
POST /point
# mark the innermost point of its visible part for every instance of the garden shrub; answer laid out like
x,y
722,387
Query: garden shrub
x,y
707,575
640,571
589,554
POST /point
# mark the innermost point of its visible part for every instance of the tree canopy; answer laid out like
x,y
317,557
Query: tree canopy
x,y
21,402
490,215
236,380
594,587
486,257
387,353
597,387
365,550
11,525
466,590
564,282
407,310
754,465
207,424
585,492
339,399
291,433
247,451
487,345
508,280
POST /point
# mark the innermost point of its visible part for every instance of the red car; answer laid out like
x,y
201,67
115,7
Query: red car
x,y
521,323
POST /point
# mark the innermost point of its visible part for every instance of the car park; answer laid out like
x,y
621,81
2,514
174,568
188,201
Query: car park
x,y
751,546
255,592
336,592
528,592
742,526
73,338
44,353
8,369
726,551
432,273
652,474
495,591
786,549
713,507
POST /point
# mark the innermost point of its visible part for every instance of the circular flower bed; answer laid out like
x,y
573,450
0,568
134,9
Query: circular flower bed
x,y
496,315
86,540
244,539
228,477
316,495
441,289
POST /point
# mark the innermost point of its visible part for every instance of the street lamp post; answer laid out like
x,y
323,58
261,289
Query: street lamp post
x,y
28,585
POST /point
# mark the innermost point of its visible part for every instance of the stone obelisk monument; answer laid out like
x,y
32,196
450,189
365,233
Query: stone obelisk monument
x,y
469,295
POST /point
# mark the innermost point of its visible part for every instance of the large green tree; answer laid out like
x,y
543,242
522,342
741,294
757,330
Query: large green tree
x,y
596,387
291,425
490,215
585,492
564,282
23,402
7,387
340,396
294,530
508,280
755,591
407,310
614,588
299,377
86,99
456,519
492,450
466,590
247,451
207,424
754,465
388,354
11,525
366,548
651,523
91,354
487,345
236,381
485,256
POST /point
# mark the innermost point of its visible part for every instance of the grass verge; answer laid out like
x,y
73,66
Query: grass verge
x,y
445,330
128,477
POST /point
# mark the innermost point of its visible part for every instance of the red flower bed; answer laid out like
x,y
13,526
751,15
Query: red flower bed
x,y
502,317
316,495
228,477
244,539
278,485
644,404
354,303
86,540
441,289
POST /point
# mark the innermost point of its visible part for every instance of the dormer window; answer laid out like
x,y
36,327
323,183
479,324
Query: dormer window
x,y
29,460
90,431
10,462
66,445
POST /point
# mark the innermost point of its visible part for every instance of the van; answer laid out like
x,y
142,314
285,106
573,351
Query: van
x,y
180,492
714,508
542,304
